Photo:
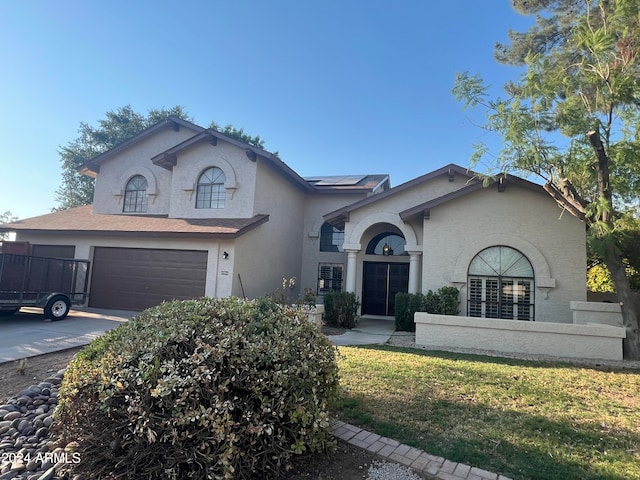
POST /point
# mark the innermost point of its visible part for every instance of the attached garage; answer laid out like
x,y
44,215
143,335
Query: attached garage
x,y
136,278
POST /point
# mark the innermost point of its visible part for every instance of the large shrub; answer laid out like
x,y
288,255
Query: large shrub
x,y
341,309
210,388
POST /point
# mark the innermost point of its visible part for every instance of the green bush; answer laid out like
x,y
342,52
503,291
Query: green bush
x,y
443,302
341,309
406,305
209,388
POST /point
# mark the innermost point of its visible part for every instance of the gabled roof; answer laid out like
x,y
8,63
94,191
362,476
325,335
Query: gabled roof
x,y
501,182
82,220
169,158
338,217
92,167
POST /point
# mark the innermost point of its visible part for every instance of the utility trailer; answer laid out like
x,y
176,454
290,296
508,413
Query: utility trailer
x,y
53,284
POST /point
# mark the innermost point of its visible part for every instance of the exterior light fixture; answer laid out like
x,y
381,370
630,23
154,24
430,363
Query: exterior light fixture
x,y
386,250
225,254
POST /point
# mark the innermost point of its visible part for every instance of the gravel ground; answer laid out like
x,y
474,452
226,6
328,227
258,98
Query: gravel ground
x,y
406,339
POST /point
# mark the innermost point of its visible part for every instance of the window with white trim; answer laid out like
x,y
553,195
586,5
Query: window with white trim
x,y
330,277
135,195
210,192
501,285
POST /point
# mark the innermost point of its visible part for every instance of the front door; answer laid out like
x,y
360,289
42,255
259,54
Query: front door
x,y
381,282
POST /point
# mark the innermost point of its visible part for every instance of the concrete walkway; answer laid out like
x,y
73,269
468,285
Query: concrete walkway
x,y
368,331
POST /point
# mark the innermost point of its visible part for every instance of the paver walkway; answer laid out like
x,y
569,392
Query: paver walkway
x,y
388,449
377,331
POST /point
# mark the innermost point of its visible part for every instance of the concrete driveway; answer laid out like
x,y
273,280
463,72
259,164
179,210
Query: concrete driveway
x,y
27,334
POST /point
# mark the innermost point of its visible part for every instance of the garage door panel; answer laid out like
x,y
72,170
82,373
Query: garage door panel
x,y
135,279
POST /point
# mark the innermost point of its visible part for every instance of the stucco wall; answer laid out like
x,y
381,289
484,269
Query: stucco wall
x,y
273,250
512,336
240,173
136,160
316,207
519,218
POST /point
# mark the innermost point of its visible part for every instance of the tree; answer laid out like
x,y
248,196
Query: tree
x,y
118,126
6,217
572,119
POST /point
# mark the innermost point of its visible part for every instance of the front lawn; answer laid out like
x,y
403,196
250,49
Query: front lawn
x,y
525,420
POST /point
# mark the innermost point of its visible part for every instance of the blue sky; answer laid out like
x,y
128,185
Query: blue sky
x,y
336,86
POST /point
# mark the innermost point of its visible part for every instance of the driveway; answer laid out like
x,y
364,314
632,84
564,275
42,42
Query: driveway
x,y
27,334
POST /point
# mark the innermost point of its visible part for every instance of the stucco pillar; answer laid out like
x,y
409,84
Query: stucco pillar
x,y
352,267
414,271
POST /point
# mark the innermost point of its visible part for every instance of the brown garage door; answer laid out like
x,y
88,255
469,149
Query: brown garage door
x,y
136,278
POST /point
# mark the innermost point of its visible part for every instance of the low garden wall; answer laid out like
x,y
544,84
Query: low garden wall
x,y
513,336
585,313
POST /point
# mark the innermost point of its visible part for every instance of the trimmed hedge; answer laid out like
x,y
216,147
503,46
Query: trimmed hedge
x,y
341,309
444,302
210,388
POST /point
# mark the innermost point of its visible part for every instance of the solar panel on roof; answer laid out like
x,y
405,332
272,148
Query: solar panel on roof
x,y
341,181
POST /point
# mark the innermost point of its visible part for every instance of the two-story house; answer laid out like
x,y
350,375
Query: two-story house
x,y
181,211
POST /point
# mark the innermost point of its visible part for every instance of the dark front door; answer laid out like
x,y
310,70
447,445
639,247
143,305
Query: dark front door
x,y
381,282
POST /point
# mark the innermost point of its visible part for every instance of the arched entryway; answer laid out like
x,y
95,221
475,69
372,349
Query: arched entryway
x,y
385,273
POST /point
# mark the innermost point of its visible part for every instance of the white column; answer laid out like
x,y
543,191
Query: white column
x,y
352,267
414,271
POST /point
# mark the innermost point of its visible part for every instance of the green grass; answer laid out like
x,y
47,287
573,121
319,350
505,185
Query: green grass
x,y
525,420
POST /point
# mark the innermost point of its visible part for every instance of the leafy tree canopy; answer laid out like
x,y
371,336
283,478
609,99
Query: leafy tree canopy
x,y
6,217
572,119
118,126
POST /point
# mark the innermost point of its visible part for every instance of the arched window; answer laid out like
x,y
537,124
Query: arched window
x,y
331,238
386,244
211,192
135,195
501,285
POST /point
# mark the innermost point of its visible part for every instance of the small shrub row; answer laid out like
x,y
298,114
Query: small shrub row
x,y
443,302
341,309
209,388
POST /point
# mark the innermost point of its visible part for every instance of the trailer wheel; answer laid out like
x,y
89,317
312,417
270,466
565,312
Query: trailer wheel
x,y
57,308
7,312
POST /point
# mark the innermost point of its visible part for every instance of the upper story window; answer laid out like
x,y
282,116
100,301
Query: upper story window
x,y
211,192
501,285
387,244
135,195
331,238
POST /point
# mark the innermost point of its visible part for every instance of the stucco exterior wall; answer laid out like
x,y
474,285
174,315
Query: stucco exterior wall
x,y
528,221
136,160
240,173
317,206
273,250
509,336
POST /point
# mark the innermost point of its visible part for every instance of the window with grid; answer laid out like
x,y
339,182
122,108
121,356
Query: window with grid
x,y
501,285
135,195
331,238
210,192
330,277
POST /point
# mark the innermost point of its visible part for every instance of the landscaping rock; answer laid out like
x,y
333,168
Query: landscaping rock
x,y
26,450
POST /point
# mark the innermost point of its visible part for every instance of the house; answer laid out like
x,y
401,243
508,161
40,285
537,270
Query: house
x,y
181,211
